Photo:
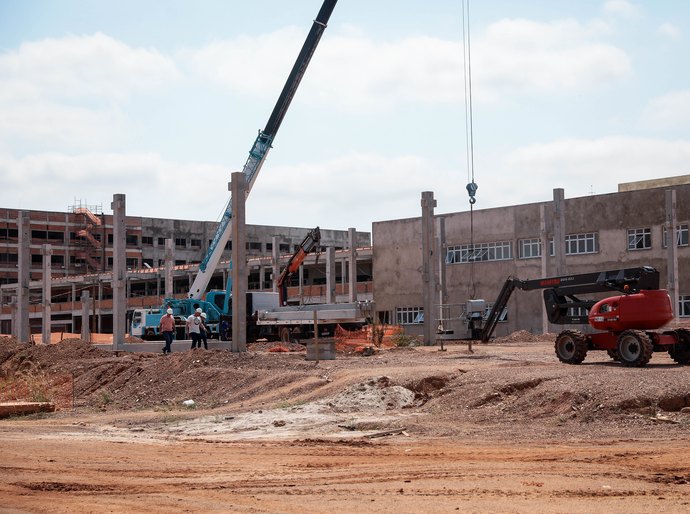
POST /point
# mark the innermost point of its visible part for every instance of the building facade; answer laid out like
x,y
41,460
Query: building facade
x,y
599,232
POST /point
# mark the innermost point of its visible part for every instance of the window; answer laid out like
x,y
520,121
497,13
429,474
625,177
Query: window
x,y
47,234
110,238
500,251
269,247
180,242
161,241
195,243
8,257
681,236
180,262
58,260
684,306
8,233
132,262
132,240
147,240
146,262
36,258
253,246
409,315
529,248
110,262
581,243
639,238
284,247
228,245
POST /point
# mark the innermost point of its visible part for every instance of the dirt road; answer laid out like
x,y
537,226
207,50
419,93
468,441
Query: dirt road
x,y
504,429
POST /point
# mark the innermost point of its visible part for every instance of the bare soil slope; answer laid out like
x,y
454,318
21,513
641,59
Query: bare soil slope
x,y
505,428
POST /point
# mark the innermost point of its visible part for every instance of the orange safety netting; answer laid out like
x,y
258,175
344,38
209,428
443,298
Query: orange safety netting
x,y
370,336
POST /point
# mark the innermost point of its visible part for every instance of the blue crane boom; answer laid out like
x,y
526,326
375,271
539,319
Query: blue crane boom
x,y
260,148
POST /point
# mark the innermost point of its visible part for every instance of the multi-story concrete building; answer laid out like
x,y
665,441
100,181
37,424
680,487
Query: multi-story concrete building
x,y
598,232
81,241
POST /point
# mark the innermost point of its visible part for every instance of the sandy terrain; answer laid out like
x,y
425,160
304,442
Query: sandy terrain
x,y
506,428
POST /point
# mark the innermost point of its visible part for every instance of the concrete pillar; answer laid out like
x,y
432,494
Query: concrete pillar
x,y
85,308
47,294
544,241
169,263
23,333
239,263
301,284
275,263
13,309
119,277
441,266
428,265
99,328
330,275
559,231
672,250
262,277
352,245
73,307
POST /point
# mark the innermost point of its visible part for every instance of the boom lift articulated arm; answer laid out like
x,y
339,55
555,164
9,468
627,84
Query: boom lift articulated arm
x,y
560,293
309,244
259,151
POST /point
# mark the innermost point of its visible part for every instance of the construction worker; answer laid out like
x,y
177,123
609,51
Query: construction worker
x,y
194,328
205,332
167,328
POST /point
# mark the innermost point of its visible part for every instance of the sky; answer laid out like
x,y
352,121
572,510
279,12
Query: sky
x,y
162,100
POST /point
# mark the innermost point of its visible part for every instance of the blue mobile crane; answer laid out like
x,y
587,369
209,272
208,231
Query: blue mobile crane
x,y
148,319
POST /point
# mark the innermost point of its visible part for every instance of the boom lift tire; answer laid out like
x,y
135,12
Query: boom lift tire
x,y
635,348
285,335
680,352
571,347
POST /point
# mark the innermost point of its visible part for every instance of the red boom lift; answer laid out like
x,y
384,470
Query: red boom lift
x,y
626,321
309,243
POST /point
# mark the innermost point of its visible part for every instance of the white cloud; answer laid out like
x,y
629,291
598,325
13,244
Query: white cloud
x,y
621,8
530,57
352,70
579,164
68,91
670,31
95,66
669,111
154,187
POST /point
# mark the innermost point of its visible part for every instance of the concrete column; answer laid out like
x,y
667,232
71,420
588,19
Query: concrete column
x,y
301,284
428,265
330,275
47,294
672,250
13,309
169,263
440,245
85,308
352,244
544,240
100,307
73,306
239,263
262,277
23,333
275,262
559,231
119,278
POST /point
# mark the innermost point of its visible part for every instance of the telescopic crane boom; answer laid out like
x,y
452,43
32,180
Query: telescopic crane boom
x,y
259,151
308,245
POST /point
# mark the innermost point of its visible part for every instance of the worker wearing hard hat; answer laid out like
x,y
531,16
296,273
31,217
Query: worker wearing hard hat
x,y
194,328
167,328
204,331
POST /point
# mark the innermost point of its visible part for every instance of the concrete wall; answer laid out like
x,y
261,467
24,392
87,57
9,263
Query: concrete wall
x,y
397,250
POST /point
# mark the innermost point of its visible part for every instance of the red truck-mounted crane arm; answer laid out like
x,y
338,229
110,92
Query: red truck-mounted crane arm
x,y
309,244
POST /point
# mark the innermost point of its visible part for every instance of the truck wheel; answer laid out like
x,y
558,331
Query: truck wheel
x,y
571,346
285,335
680,352
634,348
149,334
613,353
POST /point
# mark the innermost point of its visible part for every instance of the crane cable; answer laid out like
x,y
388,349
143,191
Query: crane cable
x,y
469,134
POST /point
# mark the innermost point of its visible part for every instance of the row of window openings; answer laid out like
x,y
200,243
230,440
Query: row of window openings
x,y
638,239
415,315
196,243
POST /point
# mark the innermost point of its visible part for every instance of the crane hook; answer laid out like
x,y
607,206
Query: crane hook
x,y
472,190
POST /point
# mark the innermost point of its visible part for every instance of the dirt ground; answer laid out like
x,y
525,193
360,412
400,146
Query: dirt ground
x,y
504,428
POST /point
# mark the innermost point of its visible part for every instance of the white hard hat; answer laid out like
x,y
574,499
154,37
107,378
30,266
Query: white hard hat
x,y
203,315
169,311
198,309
